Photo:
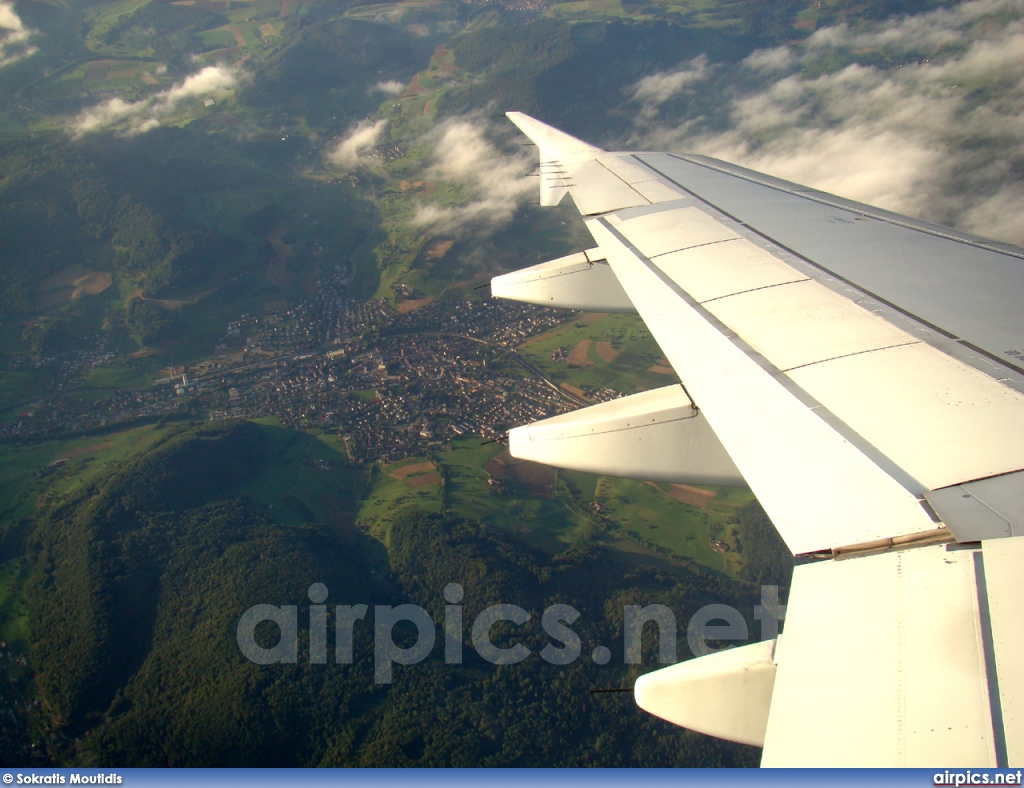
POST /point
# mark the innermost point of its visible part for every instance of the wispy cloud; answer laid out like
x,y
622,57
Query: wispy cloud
x,y
356,146
653,91
15,38
137,117
939,135
495,181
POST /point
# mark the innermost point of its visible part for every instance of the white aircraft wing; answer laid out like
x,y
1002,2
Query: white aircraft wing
x,y
863,374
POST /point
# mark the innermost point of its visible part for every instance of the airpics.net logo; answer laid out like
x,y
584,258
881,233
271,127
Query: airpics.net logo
x,y
717,623
958,778
976,777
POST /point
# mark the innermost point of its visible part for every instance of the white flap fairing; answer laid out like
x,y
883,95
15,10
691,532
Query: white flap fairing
x,y
655,436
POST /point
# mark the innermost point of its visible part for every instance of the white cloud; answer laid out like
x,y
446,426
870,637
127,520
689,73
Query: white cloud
x,y
497,182
138,117
353,147
768,60
392,87
927,32
653,91
14,36
938,136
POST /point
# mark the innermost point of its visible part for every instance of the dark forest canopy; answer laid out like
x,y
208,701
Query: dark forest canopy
x,y
58,208
140,582
768,559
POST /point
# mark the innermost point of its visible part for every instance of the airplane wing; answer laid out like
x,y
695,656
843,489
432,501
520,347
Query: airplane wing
x,y
863,373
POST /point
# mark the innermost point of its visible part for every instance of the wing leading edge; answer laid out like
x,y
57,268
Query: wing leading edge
x,y
862,373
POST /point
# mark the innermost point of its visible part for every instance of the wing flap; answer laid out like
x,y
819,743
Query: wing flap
x,y
801,323
672,229
724,269
1003,559
882,663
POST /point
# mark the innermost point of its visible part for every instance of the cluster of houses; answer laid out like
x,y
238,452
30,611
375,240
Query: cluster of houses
x,y
393,386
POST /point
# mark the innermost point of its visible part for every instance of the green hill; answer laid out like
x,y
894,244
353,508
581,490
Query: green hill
x,y
139,583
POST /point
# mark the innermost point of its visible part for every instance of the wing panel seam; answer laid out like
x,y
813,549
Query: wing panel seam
x,y
756,289
855,353
624,181
697,246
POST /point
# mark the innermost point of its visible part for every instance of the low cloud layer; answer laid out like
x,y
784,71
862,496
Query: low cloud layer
x,y
357,146
496,181
15,38
939,136
138,117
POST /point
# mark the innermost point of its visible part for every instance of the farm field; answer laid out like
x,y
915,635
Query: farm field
x,y
664,518
405,486
59,468
554,509
601,351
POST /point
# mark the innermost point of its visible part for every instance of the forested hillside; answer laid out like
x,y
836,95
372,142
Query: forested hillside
x,y
140,581
59,210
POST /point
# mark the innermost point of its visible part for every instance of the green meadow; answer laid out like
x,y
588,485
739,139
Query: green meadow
x,y
633,348
14,631
48,472
648,510
521,500
393,490
306,478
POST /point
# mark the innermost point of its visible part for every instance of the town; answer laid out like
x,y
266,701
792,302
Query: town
x,y
391,384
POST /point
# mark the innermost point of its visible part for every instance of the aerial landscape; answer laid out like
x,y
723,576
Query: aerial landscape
x,y
247,346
